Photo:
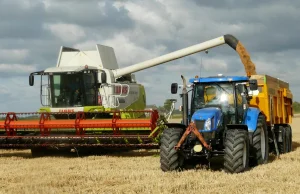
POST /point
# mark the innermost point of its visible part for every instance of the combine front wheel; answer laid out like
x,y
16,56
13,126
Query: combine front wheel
x,y
170,159
236,158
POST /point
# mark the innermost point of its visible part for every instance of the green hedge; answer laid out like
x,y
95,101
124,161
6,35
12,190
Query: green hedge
x,y
296,107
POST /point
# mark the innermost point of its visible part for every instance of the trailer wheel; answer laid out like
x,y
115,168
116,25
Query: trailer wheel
x,y
260,143
285,145
170,159
289,138
236,157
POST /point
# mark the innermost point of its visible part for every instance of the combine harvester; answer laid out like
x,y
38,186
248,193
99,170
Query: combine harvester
x,y
89,102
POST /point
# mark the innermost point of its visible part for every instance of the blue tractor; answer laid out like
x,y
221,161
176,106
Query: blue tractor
x,y
220,123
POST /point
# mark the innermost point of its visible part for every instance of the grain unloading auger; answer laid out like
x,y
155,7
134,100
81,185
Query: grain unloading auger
x,y
90,102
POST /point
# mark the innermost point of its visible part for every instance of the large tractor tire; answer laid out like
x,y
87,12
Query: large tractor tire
x,y
236,158
170,159
260,143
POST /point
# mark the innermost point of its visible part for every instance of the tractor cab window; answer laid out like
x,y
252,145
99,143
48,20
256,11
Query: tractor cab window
x,y
71,90
214,94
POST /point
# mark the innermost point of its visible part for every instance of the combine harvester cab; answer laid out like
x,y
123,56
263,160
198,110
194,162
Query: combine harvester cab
x,y
83,81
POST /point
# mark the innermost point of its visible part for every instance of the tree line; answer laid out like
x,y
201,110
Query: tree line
x,y
296,107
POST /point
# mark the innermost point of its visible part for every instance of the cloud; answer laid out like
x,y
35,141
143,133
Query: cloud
x,y
11,55
127,52
16,69
4,90
66,32
33,31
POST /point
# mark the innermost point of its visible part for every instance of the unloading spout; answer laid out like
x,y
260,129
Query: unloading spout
x,y
243,53
228,39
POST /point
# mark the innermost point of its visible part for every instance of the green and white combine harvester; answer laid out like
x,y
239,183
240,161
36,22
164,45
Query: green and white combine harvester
x,y
88,101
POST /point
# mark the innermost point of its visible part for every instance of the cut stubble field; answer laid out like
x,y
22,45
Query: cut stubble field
x,y
139,172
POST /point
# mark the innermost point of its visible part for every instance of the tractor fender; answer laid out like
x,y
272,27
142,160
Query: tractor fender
x,y
251,118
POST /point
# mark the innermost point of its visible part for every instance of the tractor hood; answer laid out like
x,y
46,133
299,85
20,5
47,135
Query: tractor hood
x,y
207,119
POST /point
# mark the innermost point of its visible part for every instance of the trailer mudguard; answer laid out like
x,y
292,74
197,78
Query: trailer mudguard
x,y
251,118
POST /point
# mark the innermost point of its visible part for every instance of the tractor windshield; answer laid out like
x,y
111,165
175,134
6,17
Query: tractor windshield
x,y
73,90
212,94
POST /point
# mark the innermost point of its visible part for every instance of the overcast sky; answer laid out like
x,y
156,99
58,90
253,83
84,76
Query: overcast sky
x,y
31,33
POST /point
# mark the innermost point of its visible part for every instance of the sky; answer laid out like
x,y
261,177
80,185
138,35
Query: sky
x,y
32,32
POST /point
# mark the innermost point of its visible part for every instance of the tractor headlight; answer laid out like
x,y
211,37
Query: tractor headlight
x,y
207,124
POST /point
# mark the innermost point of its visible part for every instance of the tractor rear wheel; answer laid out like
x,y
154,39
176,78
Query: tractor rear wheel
x,y
260,143
236,158
170,159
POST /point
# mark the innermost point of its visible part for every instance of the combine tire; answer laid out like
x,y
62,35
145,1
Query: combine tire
x,y
236,158
260,143
170,159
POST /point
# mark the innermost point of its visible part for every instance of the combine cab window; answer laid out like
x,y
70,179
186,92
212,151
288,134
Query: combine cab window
x,y
73,90
89,86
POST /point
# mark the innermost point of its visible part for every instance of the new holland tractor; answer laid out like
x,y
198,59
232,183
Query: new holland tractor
x,y
241,119
91,103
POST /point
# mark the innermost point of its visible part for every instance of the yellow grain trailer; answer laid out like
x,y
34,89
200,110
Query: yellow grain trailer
x,y
274,99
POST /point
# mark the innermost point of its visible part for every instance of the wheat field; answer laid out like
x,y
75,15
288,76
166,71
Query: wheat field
x,y
139,172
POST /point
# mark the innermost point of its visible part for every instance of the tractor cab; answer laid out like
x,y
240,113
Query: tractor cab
x,y
219,101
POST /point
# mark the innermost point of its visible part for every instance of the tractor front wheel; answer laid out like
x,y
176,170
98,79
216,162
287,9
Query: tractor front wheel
x,y
236,158
170,159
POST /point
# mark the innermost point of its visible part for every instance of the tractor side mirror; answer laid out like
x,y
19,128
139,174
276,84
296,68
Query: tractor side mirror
x,y
253,84
174,88
180,108
103,77
31,79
